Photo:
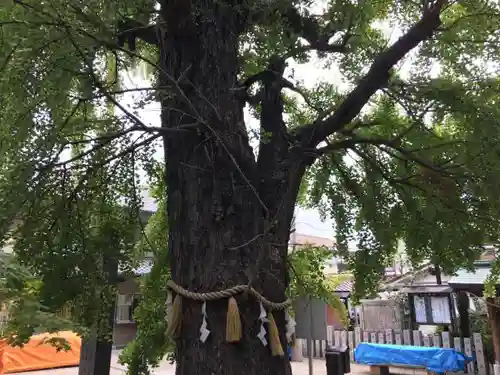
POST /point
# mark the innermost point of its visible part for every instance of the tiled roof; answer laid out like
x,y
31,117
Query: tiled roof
x,y
304,239
478,277
142,269
490,253
345,286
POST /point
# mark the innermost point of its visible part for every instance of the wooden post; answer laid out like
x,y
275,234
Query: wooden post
x,y
357,336
411,305
437,269
468,352
446,339
417,338
494,318
479,354
463,311
407,337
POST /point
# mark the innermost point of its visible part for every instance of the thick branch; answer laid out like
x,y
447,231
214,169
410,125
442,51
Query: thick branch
x,y
311,30
312,134
130,30
272,124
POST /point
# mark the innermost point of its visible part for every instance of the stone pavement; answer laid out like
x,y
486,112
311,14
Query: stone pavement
x,y
298,368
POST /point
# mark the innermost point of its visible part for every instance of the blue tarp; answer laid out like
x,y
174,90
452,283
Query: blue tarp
x,y
434,359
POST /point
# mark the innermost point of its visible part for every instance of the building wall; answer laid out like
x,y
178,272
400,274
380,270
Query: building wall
x,y
123,333
333,318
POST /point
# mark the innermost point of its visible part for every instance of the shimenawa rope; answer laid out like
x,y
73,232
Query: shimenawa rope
x,y
233,320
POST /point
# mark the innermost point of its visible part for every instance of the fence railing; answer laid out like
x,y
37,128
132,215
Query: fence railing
x,y
471,346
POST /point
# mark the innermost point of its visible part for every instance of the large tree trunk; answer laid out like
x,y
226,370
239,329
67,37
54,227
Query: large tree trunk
x,y
229,216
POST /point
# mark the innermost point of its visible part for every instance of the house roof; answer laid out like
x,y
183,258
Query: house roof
x,y
305,239
345,286
400,281
144,267
426,289
477,277
489,253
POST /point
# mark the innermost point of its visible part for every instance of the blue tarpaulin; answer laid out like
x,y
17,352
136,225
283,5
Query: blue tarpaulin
x,y
434,359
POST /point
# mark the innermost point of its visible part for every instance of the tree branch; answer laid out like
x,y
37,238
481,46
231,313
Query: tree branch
x,y
312,134
316,35
129,30
273,128
398,183
390,147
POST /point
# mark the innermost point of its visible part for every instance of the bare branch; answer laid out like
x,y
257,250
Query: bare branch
x,y
312,134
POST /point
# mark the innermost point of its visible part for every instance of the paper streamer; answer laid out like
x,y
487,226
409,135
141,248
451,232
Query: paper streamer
x,y
204,332
290,326
263,319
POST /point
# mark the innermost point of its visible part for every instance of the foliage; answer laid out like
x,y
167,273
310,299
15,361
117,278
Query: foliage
x,y
20,303
308,278
67,190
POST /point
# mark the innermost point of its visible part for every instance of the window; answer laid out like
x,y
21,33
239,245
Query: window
x,y
125,306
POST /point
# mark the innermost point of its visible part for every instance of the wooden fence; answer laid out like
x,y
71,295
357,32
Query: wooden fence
x,y
472,346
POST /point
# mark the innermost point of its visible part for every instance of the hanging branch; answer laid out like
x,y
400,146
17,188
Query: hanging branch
x,y
378,75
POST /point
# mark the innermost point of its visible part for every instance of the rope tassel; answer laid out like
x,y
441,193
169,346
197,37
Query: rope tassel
x,y
175,319
233,319
274,337
233,322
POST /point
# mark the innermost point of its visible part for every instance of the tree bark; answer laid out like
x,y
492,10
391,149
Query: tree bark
x,y
229,217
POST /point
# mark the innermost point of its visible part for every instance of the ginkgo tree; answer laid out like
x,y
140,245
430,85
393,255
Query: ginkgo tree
x,y
403,147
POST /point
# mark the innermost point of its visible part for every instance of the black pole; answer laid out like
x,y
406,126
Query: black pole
x,y
437,269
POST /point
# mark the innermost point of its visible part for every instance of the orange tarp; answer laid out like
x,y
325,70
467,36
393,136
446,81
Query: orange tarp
x,y
36,355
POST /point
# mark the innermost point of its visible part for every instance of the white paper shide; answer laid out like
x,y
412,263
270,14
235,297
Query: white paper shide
x,y
204,332
263,320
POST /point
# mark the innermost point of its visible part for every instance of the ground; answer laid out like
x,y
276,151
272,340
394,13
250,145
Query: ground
x,y
298,368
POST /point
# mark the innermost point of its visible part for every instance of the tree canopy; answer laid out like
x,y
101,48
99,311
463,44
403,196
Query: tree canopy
x,y
398,142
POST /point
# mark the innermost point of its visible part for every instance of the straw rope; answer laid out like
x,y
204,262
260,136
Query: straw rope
x,y
226,293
